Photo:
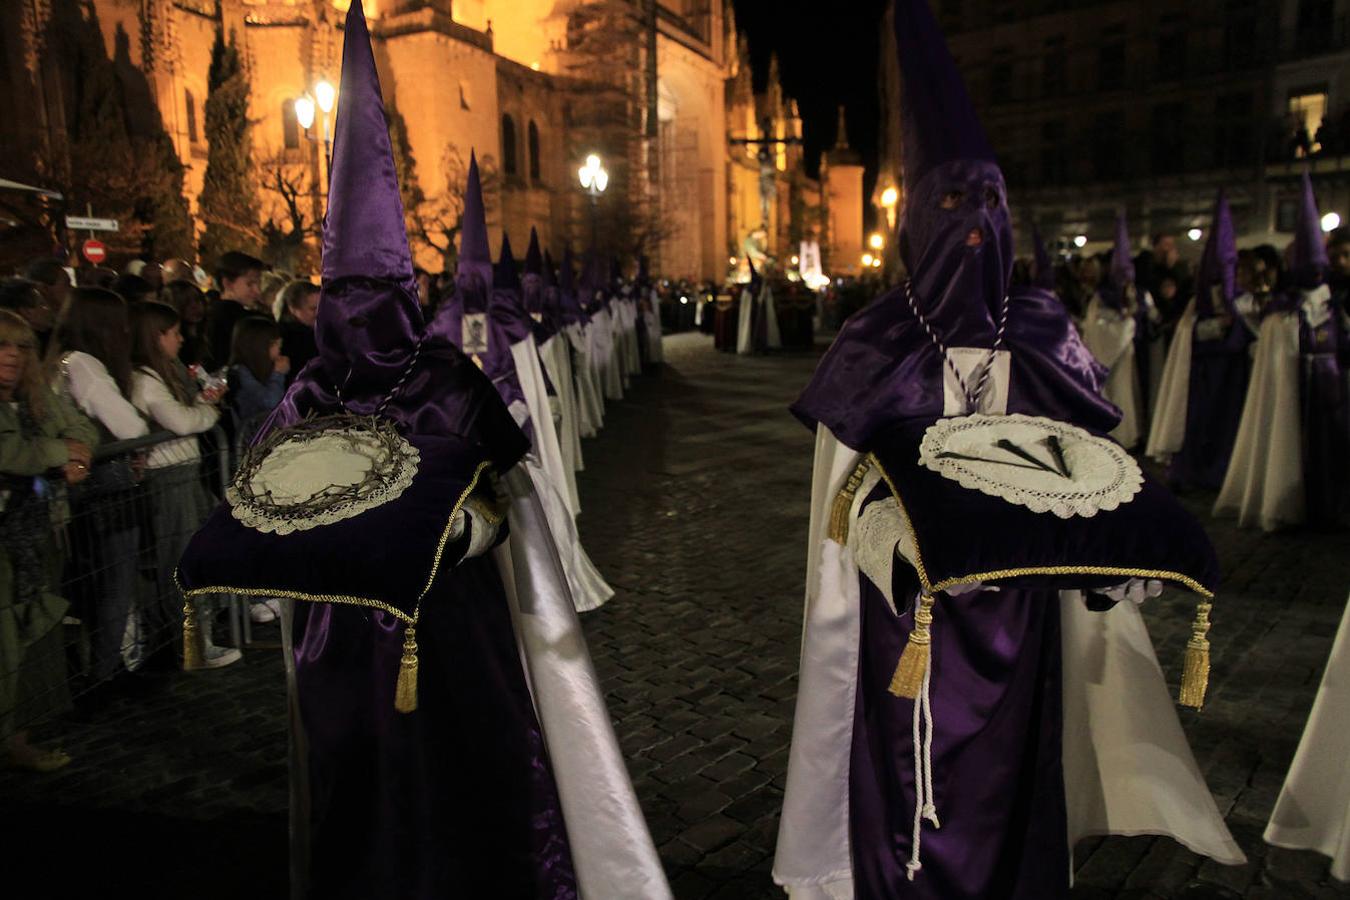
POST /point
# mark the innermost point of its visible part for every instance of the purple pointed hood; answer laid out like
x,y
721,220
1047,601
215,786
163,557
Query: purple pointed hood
x,y
369,318
506,276
1120,276
475,256
955,230
569,299
1044,276
1308,262
1216,282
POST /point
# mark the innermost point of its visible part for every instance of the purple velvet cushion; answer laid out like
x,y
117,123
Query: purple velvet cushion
x,y
387,556
961,532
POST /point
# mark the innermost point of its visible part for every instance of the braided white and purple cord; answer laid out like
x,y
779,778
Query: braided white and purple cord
x,y
398,386
972,399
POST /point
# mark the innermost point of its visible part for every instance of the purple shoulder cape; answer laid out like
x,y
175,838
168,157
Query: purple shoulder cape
x,y
883,368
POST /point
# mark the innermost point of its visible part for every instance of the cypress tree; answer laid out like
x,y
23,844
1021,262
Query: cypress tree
x,y
229,202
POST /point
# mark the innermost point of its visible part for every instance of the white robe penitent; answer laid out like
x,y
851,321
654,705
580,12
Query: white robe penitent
x,y
1313,810
1109,335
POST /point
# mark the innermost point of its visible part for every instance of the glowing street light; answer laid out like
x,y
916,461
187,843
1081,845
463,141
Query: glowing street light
x,y
867,260
1194,234
889,198
1331,221
876,241
326,95
1080,242
594,179
304,112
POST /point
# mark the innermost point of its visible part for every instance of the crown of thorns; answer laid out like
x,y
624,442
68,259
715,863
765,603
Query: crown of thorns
x,y
358,431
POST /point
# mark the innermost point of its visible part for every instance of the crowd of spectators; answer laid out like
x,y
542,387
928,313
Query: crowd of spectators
x,y
119,394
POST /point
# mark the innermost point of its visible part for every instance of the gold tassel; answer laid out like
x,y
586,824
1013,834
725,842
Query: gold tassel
x,y
843,504
405,694
909,672
192,648
1195,674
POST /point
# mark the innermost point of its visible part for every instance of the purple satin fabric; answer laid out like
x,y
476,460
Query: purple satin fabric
x,y
1325,396
997,772
535,297
883,367
455,799
1220,370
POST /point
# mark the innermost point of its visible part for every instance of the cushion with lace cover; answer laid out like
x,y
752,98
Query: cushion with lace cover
x,y
1037,503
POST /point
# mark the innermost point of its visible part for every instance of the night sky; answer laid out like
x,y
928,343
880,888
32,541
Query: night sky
x,y
827,54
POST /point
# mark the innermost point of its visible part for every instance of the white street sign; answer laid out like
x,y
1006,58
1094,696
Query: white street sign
x,y
84,223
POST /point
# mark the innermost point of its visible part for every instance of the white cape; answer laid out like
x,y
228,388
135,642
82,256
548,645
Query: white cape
x,y
1109,335
530,371
1167,430
1264,484
1127,766
745,317
1313,810
612,850
557,358
773,338
590,405
651,318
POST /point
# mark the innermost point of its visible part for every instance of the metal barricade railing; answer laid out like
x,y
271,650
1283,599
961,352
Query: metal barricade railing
x,y
87,589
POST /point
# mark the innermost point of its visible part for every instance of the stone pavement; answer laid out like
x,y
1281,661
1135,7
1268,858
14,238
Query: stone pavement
x,y
694,506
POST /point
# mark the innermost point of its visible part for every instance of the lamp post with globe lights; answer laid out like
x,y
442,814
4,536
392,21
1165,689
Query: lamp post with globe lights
x,y
594,179
323,99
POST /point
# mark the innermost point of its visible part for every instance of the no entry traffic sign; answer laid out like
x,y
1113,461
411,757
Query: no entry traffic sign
x,y
94,251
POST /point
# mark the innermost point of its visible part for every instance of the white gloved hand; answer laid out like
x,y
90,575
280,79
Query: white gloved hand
x,y
1136,590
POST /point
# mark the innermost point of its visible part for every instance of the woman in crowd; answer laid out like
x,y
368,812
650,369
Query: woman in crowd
x,y
93,345
165,393
258,369
298,308
190,304
23,297
41,434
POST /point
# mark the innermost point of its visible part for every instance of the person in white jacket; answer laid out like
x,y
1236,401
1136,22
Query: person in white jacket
x,y
162,390
95,361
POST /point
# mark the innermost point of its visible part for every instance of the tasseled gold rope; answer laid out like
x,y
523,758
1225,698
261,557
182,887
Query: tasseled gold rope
x,y
843,504
192,647
1195,674
405,694
908,678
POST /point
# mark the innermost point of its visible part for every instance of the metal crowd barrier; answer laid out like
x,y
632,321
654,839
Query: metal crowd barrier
x,y
109,554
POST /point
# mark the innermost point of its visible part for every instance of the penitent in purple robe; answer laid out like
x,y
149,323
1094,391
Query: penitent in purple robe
x,y
996,686
457,798
1220,363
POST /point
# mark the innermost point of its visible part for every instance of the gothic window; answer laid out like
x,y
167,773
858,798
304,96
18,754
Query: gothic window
x,y
1167,140
1233,129
1054,67
533,139
1239,34
290,126
1111,60
509,166
191,115
1172,49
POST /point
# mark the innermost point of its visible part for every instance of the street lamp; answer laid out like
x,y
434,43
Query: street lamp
x,y
889,198
1331,221
594,179
1195,234
876,241
324,98
1080,241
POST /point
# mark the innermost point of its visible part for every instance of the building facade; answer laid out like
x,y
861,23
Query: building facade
x,y
531,86
1150,106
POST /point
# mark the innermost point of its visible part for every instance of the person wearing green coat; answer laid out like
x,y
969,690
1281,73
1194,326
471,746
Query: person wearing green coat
x,y
42,436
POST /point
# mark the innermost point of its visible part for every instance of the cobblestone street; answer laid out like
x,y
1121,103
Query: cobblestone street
x,y
694,507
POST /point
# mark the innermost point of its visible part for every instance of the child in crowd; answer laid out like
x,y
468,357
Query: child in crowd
x,y
163,391
257,368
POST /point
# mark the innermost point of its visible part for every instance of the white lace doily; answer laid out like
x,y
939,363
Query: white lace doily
x,y
1013,457
323,467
